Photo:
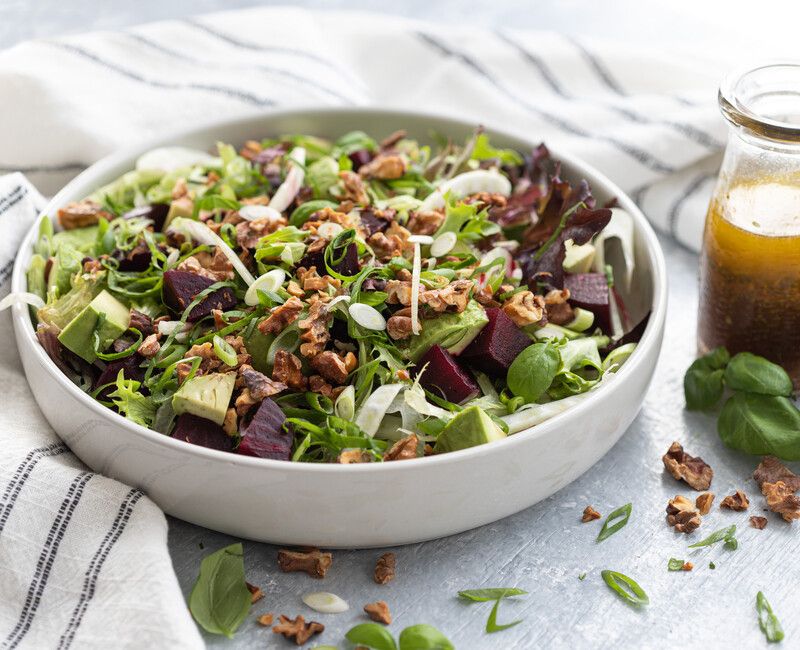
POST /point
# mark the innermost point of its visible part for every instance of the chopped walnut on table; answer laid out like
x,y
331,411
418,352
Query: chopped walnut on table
x,y
150,347
694,471
385,568
452,298
398,326
316,333
265,620
687,566
425,222
737,501
782,499
297,629
379,612
259,385
385,167
255,593
79,214
559,311
590,514
771,470
281,316
288,369
682,514
524,308
403,449
311,561
353,188
703,502
758,522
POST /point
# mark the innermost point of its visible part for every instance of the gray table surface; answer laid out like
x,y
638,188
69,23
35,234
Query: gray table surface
x,y
545,548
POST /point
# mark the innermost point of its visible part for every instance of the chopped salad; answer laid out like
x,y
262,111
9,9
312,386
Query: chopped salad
x,y
347,301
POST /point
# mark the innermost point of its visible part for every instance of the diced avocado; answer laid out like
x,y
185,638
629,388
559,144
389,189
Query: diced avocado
x,y
453,332
78,335
60,312
468,428
578,259
206,396
257,346
182,207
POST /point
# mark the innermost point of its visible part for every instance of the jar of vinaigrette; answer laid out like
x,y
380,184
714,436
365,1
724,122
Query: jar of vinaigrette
x,y
750,261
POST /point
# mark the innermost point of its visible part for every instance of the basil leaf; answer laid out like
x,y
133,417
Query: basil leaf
x,y
674,564
220,599
761,425
491,623
424,637
728,535
702,383
618,582
371,635
767,621
753,374
534,369
622,513
484,595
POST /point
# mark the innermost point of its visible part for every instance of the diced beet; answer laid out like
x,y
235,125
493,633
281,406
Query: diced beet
x,y
590,291
373,223
263,434
360,157
129,366
348,265
496,346
199,431
136,260
445,377
157,212
181,287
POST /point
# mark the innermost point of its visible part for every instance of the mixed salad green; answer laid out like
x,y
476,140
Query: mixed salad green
x,y
336,301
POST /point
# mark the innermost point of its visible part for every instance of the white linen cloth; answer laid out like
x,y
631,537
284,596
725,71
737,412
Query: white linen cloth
x,y
83,559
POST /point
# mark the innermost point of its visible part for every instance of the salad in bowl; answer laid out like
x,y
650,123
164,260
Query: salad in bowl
x,y
336,301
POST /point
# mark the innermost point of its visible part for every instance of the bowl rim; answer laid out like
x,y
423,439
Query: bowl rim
x,y
651,337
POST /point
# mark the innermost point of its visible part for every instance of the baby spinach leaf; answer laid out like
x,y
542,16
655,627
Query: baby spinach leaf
x,y
424,637
703,381
761,425
371,635
753,374
767,621
220,599
483,595
626,588
532,372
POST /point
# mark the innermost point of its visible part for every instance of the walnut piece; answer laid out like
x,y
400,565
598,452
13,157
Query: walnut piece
x,y
312,561
682,514
590,514
230,424
316,333
781,499
385,568
353,188
379,612
737,501
398,326
392,243
350,456
383,167
687,566
398,292
259,385
487,200
217,267
281,317
297,629
524,308
288,369
149,347
248,233
703,502
403,449
771,470
758,522
425,222
255,593
265,620
559,311
694,471
80,214
452,298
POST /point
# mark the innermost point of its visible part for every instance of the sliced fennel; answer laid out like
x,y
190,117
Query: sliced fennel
x,y
621,229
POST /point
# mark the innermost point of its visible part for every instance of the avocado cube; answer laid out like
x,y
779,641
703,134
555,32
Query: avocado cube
x,y
257,346
78,335
206,396
468,428
453,332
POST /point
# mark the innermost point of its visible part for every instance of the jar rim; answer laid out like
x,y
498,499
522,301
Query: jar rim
x,y
745,93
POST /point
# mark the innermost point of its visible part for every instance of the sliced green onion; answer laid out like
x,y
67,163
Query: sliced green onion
x,y
270,281
618,582
620,517
617,357
728,535
767,621
368,317
583,320
320,403
443,244
113,356
345,406
675,564
224,351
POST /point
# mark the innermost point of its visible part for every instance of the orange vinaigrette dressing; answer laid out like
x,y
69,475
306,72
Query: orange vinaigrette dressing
x,y
750,272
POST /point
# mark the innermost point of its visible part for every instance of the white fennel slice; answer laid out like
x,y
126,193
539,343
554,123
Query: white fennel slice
x,y
478,180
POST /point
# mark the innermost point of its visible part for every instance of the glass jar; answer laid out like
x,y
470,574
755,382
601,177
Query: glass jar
x,y
750,261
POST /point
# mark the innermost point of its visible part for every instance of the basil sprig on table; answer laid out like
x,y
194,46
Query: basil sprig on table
x,y
767,621
220,599
495,594
416,637
758,418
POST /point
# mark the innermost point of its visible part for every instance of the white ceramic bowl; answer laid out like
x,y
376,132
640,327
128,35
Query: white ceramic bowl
x,y
349,505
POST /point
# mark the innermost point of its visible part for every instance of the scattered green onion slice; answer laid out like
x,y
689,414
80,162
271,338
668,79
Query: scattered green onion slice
x,y
634,594
325,603
368,317
727,534
622,514
444,243
767,621
270,281
675,564
491,623
224,351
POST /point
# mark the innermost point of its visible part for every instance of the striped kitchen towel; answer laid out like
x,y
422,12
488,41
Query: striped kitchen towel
x,y
83,559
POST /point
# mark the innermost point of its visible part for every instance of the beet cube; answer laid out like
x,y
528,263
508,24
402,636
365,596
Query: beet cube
x,y
136,260
348,265
445,377
199,431
590,291
496,346
263,434
180,288
360,157
373,223
156,212
130,370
